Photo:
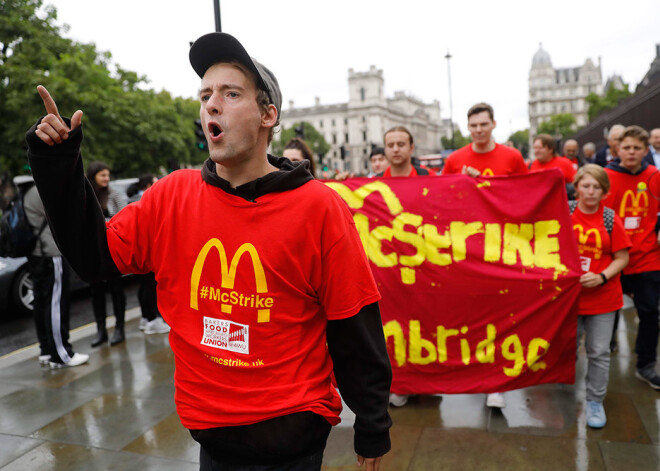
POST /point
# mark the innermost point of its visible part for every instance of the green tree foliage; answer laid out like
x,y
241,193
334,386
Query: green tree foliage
x,y
559,125
611,99
313,138
520,141
459,140
130,127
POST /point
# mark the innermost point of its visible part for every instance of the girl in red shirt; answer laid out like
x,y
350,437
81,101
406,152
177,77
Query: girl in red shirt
x,y
603,249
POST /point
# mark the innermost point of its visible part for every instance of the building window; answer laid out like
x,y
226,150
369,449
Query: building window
x,y
362,93
333,122
334,139
346,121
321,123
364,136
346,138
364,120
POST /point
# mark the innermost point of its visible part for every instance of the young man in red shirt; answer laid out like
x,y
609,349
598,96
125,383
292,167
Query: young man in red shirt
x,y
544,151
484,156
631,197
399,148
250,309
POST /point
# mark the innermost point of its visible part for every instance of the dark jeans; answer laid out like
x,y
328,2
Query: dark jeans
x,y
116,288
308,463
290,442
645,288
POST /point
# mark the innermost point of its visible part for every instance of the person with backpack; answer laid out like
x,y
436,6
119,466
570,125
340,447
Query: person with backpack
x,y
603,247
50,281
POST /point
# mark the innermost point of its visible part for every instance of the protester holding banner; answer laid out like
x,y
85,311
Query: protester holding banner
x,y
483,156
634,197
399,148
603,247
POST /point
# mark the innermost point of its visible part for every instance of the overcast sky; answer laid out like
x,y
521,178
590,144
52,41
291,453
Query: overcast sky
x,y
310,45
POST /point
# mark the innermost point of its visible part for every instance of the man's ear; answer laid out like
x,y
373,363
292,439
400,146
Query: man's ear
x,y
269,118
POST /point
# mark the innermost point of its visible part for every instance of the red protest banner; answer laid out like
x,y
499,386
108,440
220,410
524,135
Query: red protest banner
x,y
479,278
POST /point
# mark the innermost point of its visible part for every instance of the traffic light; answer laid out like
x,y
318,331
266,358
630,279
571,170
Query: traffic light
x,y
300,131
199,136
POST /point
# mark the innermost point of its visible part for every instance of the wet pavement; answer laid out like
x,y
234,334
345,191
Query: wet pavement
x,y
118,412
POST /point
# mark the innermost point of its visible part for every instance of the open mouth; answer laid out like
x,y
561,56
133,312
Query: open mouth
x,y
215,131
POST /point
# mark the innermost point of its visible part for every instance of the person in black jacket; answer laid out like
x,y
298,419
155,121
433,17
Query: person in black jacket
x,y
247,412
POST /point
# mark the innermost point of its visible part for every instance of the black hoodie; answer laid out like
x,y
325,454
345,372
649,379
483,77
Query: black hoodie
x,y
79,230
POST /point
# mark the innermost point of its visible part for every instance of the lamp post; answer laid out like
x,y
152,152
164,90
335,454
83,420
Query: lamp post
x,y
451,111
216,9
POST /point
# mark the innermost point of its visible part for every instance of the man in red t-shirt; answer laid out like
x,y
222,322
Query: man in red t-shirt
x,y
399,148
544,151
484,156
632,198
259,322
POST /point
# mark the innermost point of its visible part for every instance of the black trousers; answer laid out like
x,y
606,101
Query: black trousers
x,y
308,463
645,288
50,279
116,288
147,296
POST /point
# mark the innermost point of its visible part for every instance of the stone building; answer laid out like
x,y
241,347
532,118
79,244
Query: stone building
x,y
555,91
360,123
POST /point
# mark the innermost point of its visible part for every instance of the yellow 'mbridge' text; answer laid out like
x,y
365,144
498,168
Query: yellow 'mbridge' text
x,y
417,350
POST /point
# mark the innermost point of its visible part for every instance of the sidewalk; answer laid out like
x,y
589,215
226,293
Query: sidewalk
x,y
117,412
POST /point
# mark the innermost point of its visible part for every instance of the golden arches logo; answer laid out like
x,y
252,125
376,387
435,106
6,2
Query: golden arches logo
x,y
583,236
355,199
636,200
228,273
487,173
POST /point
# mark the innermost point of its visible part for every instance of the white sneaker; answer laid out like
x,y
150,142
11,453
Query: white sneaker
x,y
398,400
496,400
157,326
44,360
143,323
76,360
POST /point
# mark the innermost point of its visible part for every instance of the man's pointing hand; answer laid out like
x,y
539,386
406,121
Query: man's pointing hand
x,y
52,129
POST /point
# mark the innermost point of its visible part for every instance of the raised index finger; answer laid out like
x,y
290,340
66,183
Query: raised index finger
x,y
49,103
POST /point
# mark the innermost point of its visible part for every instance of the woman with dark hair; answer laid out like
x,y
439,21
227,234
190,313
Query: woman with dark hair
x,y
111,202
297,150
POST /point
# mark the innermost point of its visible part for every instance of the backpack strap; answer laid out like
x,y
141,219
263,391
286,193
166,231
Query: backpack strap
x,y
608,219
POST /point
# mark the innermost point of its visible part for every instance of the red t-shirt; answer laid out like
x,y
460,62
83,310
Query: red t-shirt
x,y
562,163
596,248
629,197
247,288
413,171
502,160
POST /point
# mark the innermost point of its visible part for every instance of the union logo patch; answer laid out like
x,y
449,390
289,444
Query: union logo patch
x,y
226,335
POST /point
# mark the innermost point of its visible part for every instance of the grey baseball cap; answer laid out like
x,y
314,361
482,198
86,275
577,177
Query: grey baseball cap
x,y
216,47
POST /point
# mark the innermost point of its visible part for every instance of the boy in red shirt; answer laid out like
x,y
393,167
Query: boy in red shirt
x,y
250,308
544,151
603,247
484,156
630,197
